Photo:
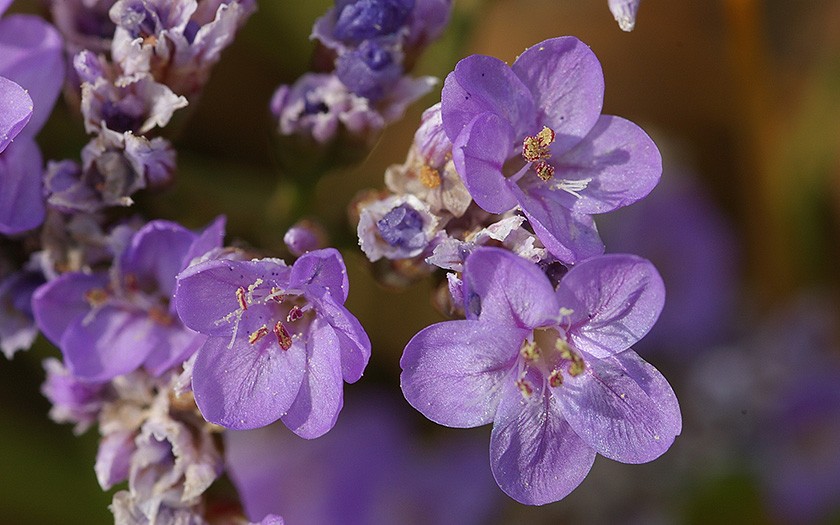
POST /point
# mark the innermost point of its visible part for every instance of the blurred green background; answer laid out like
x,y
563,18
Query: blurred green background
x,y
747,92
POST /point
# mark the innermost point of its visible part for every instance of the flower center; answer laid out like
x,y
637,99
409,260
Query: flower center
x,y
287,308
546,356
535,149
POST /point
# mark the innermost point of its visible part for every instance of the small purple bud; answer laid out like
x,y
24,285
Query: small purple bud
x,y
403,227
363,19
304,236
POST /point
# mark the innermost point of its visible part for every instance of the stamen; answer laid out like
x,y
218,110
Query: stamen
x,y
572,186
544,170
283,337
536,148
429,177
294,314
530,351
555,379
525,387
577,365
240,297
96,297
276,295
259,334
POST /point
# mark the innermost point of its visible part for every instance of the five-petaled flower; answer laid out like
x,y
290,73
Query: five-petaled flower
x,y
551,369
532,135
109,324
280,342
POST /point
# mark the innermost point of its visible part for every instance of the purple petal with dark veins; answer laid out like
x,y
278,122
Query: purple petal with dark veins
x,y
621,295
320,397
479,153
622,407
567,84
535,455
454,372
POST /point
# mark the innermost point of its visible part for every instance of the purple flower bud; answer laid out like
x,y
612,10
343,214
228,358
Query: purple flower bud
x,y
370,70
304,236
360,20
624,12
397,227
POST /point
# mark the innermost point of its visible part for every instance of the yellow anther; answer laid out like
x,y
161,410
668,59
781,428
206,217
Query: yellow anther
x,y
555,379
259,334
429,177
525,388
530,351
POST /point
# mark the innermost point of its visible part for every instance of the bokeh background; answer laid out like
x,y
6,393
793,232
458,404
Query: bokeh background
x,y
743,97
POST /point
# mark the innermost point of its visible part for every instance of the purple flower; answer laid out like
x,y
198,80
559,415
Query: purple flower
x,y
31,73
624,12
360,20
532,135
280,340
177,42
701,307
108,325
551,369
319,105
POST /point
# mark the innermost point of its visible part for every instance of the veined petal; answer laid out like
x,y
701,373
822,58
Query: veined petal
x,y
58,303
353,341
622,406
535,455
567,84
21,183
512,291
247,385
621,295
320,398
479,153
482,84
108,343
16,111
156,255
32,55
453,372
206,293
617,163
324,269
569,236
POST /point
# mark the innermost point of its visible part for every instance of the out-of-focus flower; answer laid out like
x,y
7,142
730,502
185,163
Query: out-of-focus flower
x,y
532,135
369,470
280,341
73,400
552,370
700,311
108,325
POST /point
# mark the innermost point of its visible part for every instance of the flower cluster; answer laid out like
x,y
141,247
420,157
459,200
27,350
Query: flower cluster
x,y
177,347
499,188
370,46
